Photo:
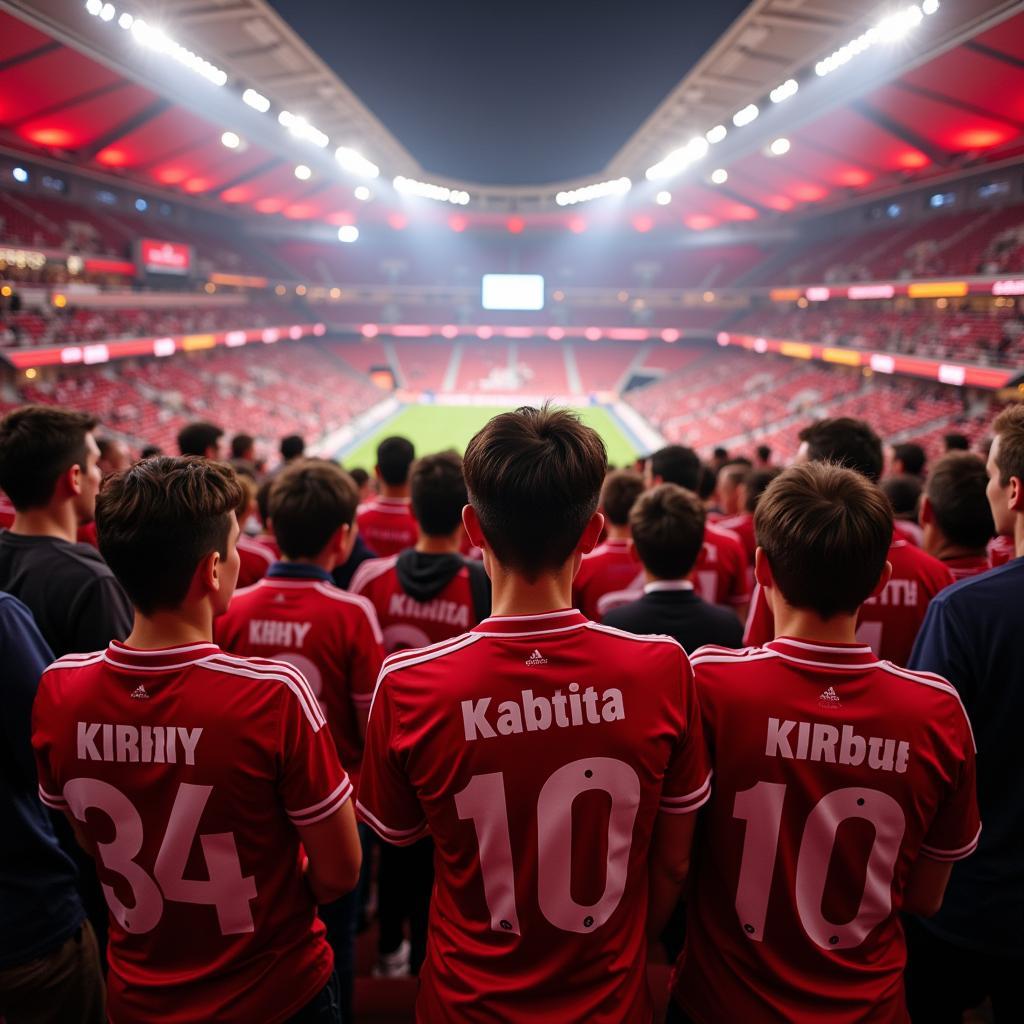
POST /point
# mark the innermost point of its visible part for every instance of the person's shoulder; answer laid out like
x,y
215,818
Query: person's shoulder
x,y
74,664
638,644
371,569
409,665
906,558
11,609
1006,579
264,676
624,616
927,693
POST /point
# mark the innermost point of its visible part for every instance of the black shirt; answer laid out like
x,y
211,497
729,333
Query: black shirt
x,y
360,553
71,592
681,614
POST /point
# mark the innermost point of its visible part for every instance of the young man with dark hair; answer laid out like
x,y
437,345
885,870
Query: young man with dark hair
x,y
424,595
764,457
364,482
727,487
751,487
206,785
844,786
150,451
904,494
255,558
295,614
114,456
293,446
667,526
973,947
889,620
536,734
612,565
200,438
720,576
956,442
49,470
243,448
908,459
386,522
956,519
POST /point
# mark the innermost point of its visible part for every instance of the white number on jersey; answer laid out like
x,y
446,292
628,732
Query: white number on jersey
x,y
483,801
225,888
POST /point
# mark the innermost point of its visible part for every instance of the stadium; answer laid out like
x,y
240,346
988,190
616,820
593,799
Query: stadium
x,y
783,234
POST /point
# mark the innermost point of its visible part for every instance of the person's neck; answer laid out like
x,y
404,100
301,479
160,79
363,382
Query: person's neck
x,y
394,491
175,628
801,624
324,561
511,594
1018,536
49,521
649,577
428,545
615,532
946,551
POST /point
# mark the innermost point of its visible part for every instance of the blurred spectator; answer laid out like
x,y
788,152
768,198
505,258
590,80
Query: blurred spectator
x,y
200,438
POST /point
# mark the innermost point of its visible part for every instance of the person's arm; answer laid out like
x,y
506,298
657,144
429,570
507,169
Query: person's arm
x,y
333,853
669,868
926,886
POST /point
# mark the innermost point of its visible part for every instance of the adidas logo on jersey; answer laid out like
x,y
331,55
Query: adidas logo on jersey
x,y
830,698
536,659
139,693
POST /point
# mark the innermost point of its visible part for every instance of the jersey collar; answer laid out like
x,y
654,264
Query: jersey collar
x,y
660,586
298,571
528,625
161,659
838,656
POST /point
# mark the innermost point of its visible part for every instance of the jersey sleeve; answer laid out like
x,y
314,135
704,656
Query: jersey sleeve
x,y
366,657
760,622
311,782
45,723
956,827
387,799
688,776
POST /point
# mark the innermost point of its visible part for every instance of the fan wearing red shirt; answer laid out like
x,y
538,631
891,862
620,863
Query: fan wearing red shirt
x,y
889,620
255,559
556,763
386,522
613,564
297,615
844,786
424,595
956,518
751,487
206,785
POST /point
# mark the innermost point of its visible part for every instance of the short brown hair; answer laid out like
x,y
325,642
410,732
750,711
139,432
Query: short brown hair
x,y
534,477
619,493
846,442
437,490
756,483
826,532
1009,428
956,493
158,520
668,530
310,499
39,443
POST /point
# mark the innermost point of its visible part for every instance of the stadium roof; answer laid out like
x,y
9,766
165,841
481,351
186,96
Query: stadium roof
x,y
946,96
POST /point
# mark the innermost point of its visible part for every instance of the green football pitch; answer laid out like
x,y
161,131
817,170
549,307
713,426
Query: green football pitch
x,y
434,428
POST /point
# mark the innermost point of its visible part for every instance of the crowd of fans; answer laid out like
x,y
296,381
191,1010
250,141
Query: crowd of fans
x,y
220,647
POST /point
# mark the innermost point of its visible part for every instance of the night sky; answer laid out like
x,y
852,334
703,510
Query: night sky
x,y
516,93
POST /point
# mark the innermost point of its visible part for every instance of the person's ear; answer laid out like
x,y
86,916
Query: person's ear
x,y
763,570
882,580
591,534
344,540
471,521
208,574
71,478
1016,497
925,512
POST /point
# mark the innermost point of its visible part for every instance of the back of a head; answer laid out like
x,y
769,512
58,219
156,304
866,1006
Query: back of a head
x,y
826,532
755,483
956,442
242,446
292,447
847,442
904,494
912,457
359,476
308,502
150,451
956,494
707,481
395,456
1009,429
38,444
438,493
676,464
619,493
668,530
158,520
263,501
197,438
534,477
764,453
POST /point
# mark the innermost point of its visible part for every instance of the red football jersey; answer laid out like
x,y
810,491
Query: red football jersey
x,y
7,512
611,566
889,622
537,751
406,622
387,525
255,560
1001,550
910,532
834,772
189,769
965,568
330,636
743,526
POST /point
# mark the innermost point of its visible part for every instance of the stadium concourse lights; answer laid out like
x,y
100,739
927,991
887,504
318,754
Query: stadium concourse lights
x,y
302,172
231,140
256,100
302,129
348,233
679,159
355,163
779,147
719,176
427,190
600,189
362,193
663,198
890,29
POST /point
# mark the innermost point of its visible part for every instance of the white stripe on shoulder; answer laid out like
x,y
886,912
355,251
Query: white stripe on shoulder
x,y
295,681
422,655
936,682
655,638
369,570
358,601
748,655
415,652
76,660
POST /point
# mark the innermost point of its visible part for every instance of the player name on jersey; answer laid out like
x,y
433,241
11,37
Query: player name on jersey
x,y
273,633
533,714
898,594
451,613
145,744
816,741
